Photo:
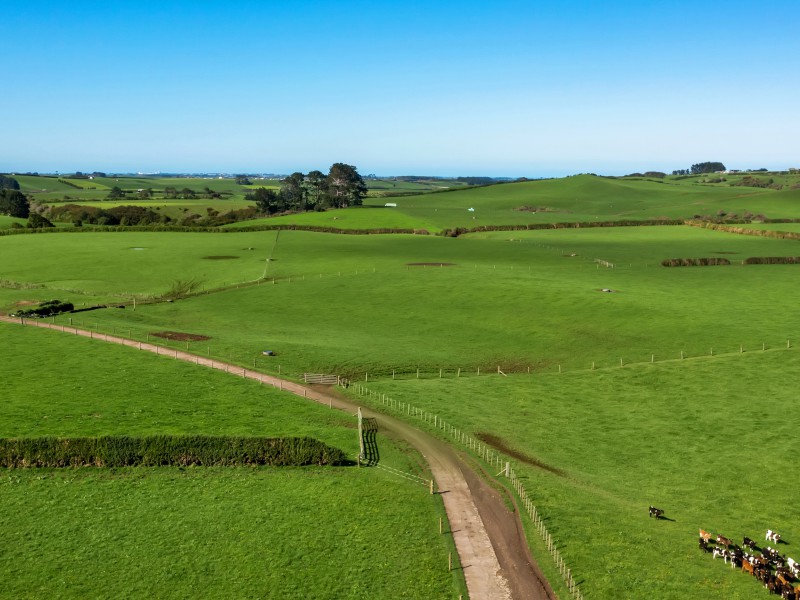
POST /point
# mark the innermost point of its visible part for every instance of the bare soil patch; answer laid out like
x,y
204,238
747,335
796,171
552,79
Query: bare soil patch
x,y
499,444
180,337
430,264
25,303
222,257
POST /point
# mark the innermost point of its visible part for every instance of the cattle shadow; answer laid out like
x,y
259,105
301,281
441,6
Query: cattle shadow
x,y
663,518
369,431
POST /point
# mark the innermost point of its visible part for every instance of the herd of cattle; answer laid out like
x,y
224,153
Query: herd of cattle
x,y
776,572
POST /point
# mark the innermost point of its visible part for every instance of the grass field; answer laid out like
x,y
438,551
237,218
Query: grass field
x,y
671,432
518,304
710,440
169,532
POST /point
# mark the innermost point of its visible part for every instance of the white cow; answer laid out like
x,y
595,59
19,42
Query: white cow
x,y
773,536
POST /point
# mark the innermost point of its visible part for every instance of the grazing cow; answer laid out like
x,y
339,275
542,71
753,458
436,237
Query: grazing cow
x,y
748,543
723,541
656,512
706,535
719,552
783,582
773,536
736,556
748,567
793,566
703,544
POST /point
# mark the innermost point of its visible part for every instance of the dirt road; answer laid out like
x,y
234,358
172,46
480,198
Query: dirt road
x,y
489,538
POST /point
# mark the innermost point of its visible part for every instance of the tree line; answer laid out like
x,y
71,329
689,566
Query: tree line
x,y
701,169
340,188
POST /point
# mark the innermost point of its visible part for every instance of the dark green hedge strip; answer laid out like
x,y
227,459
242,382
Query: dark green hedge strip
x,y
46,309
694,262
772,260
123,451
566,225
283,227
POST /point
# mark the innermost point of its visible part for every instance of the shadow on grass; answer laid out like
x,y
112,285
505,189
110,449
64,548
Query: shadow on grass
x,y
372,455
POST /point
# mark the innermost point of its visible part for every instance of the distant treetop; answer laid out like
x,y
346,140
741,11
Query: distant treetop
x,y
8,183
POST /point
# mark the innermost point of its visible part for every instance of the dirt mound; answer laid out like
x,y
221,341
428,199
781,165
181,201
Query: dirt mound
x,y
431,264
180,337
500,444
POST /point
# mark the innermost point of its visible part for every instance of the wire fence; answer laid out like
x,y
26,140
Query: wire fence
x,y
492,458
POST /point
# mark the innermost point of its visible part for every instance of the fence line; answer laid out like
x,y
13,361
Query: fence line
x,y
493,459
559,368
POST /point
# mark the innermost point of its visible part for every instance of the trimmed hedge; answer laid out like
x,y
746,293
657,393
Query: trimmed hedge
x,y
772,260
179,228
565,225
164,450
694,262
46,309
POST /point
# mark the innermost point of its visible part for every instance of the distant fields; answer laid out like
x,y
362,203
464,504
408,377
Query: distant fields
x,y
519,304
584,198
169,532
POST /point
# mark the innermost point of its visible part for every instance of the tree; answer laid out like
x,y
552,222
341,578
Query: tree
x,y
267,201
315,190
116,193
8,183
37,221
243,180
707,167
14,204
293,192
345,186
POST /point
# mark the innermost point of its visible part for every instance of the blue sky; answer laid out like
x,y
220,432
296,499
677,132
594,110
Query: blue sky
x,y
453,88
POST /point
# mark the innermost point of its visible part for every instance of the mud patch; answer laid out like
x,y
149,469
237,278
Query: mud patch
x,y
180,337
500,445
430,264
26,302
221,257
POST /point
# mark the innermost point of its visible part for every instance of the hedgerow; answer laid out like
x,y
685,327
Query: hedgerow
x,y
694,262
165,450
567,225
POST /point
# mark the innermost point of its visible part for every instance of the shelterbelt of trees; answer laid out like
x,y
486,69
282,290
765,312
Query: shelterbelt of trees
x,y
340,188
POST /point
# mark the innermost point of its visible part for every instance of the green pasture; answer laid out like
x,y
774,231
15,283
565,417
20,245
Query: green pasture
x,y
355,304
6,222
706,437
360,217
177,208
216,532
591,198
710,440
101,266
382,187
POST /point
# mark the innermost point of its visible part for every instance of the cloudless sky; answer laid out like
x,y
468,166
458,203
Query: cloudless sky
x,y
504,88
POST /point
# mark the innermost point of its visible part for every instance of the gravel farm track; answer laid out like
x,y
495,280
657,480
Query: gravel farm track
x,y
489,537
